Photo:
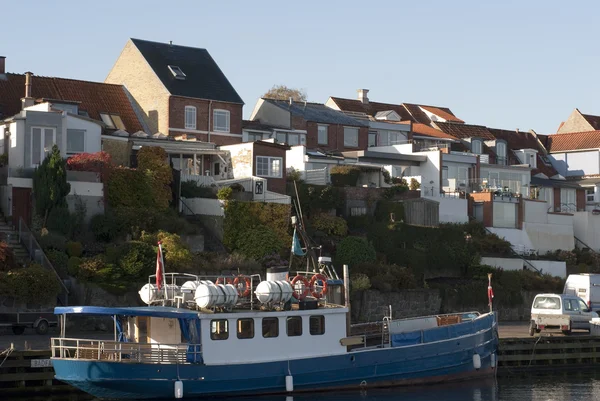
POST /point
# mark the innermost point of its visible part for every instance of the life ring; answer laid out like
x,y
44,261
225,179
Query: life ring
x,y
247,285
313,281
304,293
220,280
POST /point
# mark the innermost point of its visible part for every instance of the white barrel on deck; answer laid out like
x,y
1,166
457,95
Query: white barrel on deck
x,y
277,273
151,294
274,291
188,289
209,295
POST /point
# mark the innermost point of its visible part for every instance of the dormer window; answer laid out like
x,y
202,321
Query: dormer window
x,y
531,159
176,71
501,153
476,146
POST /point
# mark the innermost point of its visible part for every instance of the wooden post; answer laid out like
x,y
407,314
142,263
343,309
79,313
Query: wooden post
x,y
347,298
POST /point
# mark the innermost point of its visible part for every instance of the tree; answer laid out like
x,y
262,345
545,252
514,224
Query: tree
x,y
50,184
282,92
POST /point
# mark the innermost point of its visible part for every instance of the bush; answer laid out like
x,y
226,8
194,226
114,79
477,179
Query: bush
x,y
50,185
61,221
59,261
89,267
384,209
386,176
414,184
137,259
258,243
394,190
316,198
153,161
53,241
128,187
224,193
104,226
33,284
191,189
330,225
293,175
74,249
359,282
97,162
274,260
353,251
176,254
7,257
73,266
344,176
387,277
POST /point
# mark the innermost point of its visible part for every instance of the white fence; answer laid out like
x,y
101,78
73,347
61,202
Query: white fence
x,y
204,206
316,177
202,180
5,200
274,197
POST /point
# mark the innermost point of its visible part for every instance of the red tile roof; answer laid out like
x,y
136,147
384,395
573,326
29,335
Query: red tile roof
x,y
426,130
93,97
444,113
370,108
573,141
463,131
419,115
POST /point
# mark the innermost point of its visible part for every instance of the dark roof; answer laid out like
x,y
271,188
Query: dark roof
x,y
317,112
573,141
544,182
93,97
204,79
371,108
594,121
463,131
257,125
527,140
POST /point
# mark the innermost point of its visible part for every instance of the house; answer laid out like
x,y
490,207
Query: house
x,y
326,129
181,90
256,131
579,122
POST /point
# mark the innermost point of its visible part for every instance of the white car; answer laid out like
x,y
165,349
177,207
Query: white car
x,y
559,311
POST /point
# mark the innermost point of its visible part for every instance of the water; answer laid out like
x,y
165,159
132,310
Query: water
x,y
570,386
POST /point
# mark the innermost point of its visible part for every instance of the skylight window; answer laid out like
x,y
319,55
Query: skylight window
x,y
118,122
107,120
176,71
112,121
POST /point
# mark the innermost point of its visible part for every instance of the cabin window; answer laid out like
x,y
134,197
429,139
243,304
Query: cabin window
x,y
317,325
245,328
219,329
270,327
142,329
294,326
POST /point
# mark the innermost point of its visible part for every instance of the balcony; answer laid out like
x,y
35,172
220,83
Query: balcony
x,y
503,190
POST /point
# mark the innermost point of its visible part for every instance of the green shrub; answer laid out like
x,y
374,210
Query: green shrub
x,y
53,241
73,266
386,176
330,225
137,259
7,257
59,260
259,242
414,184
317,198
354,250
384,209
387,277
153,161
191,189
50,185
128,187
104,226
344,176
176,253
33,284
89,267
61,221
74,249
359,282
361,223
394,190
293,175
224,193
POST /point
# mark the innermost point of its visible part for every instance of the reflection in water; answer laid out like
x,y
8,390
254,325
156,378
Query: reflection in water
x,y
571,386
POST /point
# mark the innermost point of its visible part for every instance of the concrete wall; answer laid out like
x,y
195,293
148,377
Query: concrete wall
x,y
557,234
503,263
295,157
92,137
554,268
204,206
268,113
576,163
452,210
586,227
241,159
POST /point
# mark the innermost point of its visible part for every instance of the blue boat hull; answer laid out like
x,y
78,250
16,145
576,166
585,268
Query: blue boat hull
x,y
438,361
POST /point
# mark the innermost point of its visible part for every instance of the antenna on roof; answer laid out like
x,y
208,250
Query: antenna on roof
x,y
171,42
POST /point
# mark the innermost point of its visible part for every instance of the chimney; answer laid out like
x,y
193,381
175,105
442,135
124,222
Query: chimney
x,y
362,95
517,130
291,100
2,65
27,100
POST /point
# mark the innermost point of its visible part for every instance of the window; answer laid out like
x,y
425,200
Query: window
x,y
501,152
107,120
281,137
317,325
582,305
546,302
476,146
445,176
567,200
190,117
294,326
590,195
388,138
358,211
270,327
351,137
323,137
42,140
268,166
293,140
569,306
176,71
75,141
245,328
217,168
118,122
372,138
219,329
254,136
530,159
463,173
221,120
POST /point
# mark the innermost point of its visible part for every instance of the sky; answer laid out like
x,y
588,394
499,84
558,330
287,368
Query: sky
x,y
504,64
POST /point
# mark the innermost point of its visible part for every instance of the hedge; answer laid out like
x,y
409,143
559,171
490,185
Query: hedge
x,y
344,176
7,257
31,284
330,225
353,251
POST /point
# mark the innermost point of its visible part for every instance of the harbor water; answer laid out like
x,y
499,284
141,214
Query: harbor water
x,y
571,385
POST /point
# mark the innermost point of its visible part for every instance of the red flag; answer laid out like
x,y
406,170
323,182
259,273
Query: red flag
x,y
160,269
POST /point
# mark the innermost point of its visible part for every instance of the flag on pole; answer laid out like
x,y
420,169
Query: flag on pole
x,y
160,267
490,291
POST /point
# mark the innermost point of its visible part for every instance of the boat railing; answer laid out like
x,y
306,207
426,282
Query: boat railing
x,y
125,352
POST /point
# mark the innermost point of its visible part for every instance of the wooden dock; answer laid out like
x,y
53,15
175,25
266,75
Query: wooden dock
x,y
547,353
26,373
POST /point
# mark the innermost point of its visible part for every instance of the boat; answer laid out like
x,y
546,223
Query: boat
x,y
242,335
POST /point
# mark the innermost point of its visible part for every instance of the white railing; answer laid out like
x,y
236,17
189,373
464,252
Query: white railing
x,y
202,180
274,197
317,176
76,348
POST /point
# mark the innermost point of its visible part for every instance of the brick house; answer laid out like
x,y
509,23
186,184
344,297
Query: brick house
x,y
579,122
181,90
319,126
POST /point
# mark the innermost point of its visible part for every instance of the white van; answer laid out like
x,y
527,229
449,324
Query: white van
x,y
559,311
585,286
